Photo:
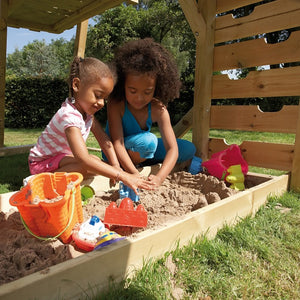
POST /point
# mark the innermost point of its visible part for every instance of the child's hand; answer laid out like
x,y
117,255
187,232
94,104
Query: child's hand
x,y
135,181
156,180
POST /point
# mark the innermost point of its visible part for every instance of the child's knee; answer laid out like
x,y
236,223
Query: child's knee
x,y
186,150
144,143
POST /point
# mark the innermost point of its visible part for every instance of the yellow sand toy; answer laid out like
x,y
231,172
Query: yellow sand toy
x,y
236,177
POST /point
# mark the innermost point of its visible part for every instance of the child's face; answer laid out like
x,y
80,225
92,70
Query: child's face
x,y
90,97
139,89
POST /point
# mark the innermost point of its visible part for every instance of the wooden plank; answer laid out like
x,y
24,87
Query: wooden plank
x,y
184,125
203,81
267,83
251,118
85,13
260,154
14,5
6,151
257,53
273,16
193,16
81,277
226,5
3,39
277,186
295,174
80,40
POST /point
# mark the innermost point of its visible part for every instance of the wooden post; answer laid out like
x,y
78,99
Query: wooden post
x,y
295,175
80,41
201,17
3,39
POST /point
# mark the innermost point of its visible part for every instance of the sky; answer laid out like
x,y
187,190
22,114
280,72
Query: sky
x,y
19,37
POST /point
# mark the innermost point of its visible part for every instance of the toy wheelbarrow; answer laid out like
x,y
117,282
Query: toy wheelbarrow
x,y
125,214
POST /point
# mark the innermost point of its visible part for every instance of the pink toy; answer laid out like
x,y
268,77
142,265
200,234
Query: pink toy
x,y
221,161
125,214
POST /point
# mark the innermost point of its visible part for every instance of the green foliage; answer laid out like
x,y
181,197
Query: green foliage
x,y
40,60
32,102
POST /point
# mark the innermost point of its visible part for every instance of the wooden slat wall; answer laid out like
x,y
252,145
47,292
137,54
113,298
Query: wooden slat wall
x,y
269,17
251,118
273,16
226,5
268,83
240,55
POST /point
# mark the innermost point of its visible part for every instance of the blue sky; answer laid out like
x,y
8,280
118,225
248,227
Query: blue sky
x,y
19,37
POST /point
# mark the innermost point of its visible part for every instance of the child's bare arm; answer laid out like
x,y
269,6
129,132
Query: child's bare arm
x,y
161,116
105,143
94,165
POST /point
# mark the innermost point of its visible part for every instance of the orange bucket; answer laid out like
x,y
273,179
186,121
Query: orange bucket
x,y
50,204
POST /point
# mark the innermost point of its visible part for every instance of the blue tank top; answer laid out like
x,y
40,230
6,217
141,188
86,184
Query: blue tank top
x,y
130,124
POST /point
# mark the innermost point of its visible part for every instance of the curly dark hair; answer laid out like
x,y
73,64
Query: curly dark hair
x,y
147,56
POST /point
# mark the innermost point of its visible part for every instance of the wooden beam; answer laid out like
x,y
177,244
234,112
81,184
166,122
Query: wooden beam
x,y
184,125
7,151
86,12
295,174
203,80
80,41
193,16
3,39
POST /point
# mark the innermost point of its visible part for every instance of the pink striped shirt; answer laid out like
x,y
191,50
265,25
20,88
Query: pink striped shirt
x,y
53,140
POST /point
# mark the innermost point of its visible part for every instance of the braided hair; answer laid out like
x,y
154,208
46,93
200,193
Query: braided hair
x,y
88,69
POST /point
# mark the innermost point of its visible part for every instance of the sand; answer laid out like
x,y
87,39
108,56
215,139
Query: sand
x,y
22,254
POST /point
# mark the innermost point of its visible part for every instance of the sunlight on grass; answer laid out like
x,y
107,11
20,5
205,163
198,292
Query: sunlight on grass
x,y
17,137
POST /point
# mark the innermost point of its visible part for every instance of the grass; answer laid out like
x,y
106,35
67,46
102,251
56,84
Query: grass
x,y
14,168
256,259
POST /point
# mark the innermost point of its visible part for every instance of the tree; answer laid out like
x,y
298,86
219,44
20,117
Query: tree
x,y
37,59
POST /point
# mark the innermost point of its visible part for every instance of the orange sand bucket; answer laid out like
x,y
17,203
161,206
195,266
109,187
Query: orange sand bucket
x,y
50,205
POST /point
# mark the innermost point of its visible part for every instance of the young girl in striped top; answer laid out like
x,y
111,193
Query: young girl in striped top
x,y
61,146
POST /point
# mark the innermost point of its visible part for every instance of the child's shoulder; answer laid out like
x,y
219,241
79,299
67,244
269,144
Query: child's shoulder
x,y
157,109
157,104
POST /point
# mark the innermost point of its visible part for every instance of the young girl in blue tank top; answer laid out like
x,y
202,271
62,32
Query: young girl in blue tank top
x,y
147,80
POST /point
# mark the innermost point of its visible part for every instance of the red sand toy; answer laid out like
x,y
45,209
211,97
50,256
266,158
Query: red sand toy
x,y
220,162
125,214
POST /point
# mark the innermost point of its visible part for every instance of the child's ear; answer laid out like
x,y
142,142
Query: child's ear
x,y
75,84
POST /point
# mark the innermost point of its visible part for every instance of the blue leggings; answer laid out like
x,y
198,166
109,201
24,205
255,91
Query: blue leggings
x,y
151,147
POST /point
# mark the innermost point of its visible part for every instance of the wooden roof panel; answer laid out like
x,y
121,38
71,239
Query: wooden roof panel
x,y
55,15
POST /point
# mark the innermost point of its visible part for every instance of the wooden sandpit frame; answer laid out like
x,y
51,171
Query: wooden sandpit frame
x,y
92,272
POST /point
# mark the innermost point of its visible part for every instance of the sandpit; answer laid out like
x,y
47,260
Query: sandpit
x,y
22,254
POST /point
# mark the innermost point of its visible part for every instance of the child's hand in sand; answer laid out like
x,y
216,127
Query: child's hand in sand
x,y
156,180
135,181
